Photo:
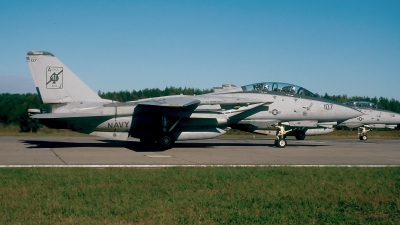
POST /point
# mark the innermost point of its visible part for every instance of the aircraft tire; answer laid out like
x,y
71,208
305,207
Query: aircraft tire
x,y
300,135
280,143
364,137
165,141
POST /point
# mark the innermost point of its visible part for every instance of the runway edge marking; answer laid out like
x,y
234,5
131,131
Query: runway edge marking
x,y
166,166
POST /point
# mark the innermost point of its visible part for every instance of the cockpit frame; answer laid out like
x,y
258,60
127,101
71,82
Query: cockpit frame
x,y
277,87
363,104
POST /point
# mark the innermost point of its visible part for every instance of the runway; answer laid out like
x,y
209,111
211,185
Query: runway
x,y
98,152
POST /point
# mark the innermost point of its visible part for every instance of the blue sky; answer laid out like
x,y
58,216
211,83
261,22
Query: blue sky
x,y
334,47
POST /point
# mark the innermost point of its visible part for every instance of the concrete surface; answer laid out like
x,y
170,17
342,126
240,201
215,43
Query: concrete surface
x,y
20,151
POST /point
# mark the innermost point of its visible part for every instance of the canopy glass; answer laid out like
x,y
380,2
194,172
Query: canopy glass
x,y
270,87
362,104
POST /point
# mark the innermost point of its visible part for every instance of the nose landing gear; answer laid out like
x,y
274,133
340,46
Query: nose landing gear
x,y
362,133
280,141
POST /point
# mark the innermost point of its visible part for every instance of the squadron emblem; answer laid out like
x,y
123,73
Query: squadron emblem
x,y
54,77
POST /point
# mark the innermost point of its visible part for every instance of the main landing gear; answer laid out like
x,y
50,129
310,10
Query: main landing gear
x,y
362,133
300,135
163,139
280,141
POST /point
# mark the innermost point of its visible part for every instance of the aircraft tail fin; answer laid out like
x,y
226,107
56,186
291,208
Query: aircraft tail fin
x,y
55,83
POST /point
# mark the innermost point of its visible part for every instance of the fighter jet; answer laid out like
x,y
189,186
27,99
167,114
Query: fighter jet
x,y
301,128
163,120
373,116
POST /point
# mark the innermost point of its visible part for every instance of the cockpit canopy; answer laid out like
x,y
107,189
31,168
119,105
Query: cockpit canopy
x,y
363,104
266,87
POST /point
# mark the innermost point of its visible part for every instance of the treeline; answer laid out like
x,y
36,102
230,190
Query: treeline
x,y
124,96
14,110
14,107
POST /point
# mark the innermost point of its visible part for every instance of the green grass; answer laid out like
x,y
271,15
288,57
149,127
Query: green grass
x,y
265,195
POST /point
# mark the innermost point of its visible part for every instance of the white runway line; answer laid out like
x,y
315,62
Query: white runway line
x,y
165,166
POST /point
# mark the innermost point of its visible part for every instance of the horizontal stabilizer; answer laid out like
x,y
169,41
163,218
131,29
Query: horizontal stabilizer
x,y
68,115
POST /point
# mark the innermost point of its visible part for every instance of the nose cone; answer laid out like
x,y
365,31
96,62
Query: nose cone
x,y
345,113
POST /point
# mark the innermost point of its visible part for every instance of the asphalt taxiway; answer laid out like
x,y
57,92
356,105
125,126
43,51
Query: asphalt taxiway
x,y
94,151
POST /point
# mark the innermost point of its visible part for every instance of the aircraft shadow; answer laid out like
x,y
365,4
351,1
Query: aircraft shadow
x,y
138,147
63,144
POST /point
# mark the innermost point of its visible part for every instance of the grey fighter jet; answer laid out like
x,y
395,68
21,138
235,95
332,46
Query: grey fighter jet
x,y
163,120
304,113
373,116
298,132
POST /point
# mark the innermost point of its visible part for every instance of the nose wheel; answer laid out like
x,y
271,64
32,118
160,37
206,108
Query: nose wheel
x,y
363,137
362,133
280,141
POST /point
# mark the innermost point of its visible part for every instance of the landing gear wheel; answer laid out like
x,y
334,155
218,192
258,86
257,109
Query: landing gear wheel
x,y
363,137
300,135
166,141
280,143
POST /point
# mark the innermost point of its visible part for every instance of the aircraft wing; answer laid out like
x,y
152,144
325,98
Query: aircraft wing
x,y
170,102
175,106
210,106
185,101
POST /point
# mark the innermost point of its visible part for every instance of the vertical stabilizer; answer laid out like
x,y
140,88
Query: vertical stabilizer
x,y
55,83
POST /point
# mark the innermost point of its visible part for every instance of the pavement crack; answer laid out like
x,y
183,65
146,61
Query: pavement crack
x,y
58,156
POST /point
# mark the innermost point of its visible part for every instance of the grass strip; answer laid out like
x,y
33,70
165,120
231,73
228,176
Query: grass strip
x,y
266,195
